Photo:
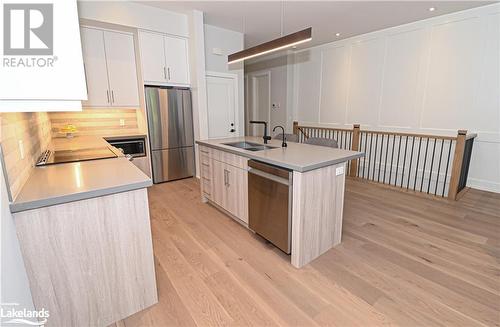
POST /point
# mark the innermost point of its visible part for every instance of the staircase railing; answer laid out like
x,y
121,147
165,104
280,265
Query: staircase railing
x,y
432,164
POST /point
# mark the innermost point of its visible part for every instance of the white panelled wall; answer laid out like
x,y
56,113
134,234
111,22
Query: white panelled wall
x,y
433,76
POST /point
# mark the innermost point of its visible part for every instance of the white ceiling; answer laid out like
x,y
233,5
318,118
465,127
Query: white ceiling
x,y
260,20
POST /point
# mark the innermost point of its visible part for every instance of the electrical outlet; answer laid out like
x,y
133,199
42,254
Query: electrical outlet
x,y
276,105
339,171
21,149
122,122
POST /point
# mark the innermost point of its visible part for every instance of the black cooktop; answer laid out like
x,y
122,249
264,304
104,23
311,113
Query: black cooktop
x,y
64,156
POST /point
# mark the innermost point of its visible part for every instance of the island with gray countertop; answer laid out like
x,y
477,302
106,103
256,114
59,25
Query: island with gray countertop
x,y
85,236
316,183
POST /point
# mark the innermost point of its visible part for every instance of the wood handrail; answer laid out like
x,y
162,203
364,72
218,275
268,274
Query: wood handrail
x,y
456,186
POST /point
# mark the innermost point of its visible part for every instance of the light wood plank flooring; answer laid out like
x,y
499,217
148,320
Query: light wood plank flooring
x,y
405,260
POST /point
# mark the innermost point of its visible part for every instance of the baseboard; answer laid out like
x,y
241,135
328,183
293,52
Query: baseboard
x,y
483,185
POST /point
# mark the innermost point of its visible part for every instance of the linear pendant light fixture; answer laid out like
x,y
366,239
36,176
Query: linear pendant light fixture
x,y
277,44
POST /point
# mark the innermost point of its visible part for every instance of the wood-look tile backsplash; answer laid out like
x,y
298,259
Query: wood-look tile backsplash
x,y
102,122
33,130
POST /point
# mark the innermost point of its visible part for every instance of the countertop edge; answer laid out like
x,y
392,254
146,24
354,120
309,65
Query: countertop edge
x,y
281,164
47,202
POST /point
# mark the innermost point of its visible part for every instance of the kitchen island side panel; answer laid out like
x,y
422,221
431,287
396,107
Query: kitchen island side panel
x,y
318,202
90,262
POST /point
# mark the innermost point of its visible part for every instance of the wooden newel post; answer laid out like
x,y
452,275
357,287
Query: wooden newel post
x,y
296,127
458,158
354,147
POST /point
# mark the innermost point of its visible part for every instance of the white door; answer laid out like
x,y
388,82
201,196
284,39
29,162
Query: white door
x,y
122,71
261,103
152,51
95,68
176,50
221,105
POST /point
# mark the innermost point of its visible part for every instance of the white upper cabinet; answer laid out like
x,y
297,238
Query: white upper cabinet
x,y
153,57
176,50
95,68
164,59
122,73
110,68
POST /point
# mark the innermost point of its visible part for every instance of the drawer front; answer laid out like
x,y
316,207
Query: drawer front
x,y
206,170
230,158
204,150
206,187
204,159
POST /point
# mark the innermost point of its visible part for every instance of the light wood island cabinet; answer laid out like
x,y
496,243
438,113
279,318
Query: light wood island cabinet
x,y
224,181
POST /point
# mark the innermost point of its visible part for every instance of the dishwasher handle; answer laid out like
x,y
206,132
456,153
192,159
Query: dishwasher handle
x,y
272,177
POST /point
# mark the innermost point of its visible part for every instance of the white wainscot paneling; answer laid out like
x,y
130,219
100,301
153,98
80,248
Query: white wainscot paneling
x,y
365,84
334,84
308,70
484,172
400,79
453,77
488,101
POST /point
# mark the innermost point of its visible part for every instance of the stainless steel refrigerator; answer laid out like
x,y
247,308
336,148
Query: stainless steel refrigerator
x,y
170,122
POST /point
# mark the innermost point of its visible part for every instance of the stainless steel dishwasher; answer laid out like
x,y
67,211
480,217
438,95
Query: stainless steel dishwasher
x,y
270,203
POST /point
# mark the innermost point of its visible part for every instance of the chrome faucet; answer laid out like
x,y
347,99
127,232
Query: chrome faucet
x,y
283,144
265,137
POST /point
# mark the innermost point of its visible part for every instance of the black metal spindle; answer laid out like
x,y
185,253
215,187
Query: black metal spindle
x,y
380,158
439,166
386,155
360,144
432,163
392,157
397,162
425,161
418,160
404,162
369,157
447,166
375,157
411,159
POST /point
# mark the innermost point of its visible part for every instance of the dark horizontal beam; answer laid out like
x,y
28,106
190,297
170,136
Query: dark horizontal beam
x,y
271,46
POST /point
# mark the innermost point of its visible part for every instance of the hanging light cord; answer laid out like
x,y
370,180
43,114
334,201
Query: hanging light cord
x,y
282,17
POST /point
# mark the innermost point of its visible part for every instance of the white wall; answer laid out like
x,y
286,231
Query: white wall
x,y
229,42
277,68
14,287
433,76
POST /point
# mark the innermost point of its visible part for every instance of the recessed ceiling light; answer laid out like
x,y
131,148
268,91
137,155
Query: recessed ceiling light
x,y
337,34
432,9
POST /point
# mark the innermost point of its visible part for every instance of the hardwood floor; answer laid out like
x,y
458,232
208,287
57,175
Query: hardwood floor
x,y
404,260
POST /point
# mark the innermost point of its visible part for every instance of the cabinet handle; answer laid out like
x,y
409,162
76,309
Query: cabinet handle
x,y
112,96
168,70
226,177
107,95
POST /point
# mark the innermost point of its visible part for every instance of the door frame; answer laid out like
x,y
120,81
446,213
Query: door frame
x,y
234,78
252,76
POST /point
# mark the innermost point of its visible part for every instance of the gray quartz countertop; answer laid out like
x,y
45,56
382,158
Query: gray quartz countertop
x,y
67,182
296,156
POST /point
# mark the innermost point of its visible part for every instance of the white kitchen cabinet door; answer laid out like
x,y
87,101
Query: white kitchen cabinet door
x,y
236,199
122,71
218,183
176,50
94,58
152,49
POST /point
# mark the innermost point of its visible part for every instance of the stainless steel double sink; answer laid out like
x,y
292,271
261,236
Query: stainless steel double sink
x,y
249,146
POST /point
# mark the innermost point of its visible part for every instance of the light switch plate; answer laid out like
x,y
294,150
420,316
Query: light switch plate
x,y
339,171
217,51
